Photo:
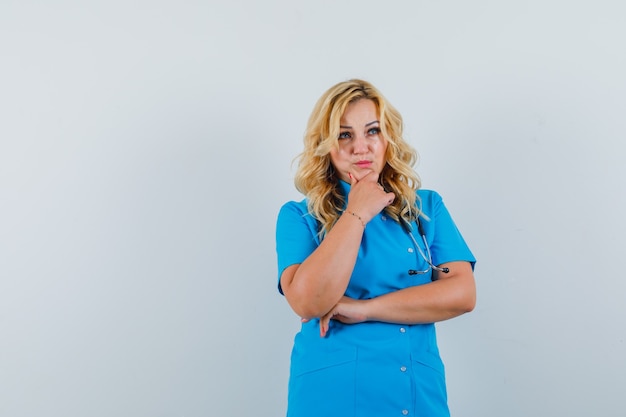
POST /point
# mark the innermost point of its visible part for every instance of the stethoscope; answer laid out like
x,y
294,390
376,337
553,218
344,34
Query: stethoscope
x,y
425,256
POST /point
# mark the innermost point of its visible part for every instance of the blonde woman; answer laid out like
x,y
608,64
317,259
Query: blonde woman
x,y
370,262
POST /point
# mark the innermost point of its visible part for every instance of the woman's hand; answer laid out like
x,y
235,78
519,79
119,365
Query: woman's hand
x,y
347,310
367,197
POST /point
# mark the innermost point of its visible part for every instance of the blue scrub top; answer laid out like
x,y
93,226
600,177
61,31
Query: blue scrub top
x,y
371,369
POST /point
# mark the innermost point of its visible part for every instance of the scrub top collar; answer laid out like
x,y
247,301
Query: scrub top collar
x,y
345,187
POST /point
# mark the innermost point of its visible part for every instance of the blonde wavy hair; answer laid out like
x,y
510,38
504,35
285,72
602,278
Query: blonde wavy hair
x,y
316,177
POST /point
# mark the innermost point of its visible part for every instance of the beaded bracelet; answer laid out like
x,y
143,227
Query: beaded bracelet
x,y
357,216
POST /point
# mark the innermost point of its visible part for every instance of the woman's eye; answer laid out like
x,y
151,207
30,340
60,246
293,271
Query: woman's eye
x,y
374,131
345,135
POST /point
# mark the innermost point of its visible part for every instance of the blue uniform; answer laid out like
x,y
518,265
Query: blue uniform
x,y
371,369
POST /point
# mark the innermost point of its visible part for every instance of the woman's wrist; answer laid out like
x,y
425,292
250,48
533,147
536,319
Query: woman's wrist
x,y
356,216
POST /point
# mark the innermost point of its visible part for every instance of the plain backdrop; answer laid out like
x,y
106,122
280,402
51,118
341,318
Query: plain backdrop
x,y
146,147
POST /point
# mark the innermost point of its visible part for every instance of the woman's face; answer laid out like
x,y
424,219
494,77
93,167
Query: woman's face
x,y
361,145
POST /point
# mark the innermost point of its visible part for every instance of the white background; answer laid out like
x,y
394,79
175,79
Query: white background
x,y
146,147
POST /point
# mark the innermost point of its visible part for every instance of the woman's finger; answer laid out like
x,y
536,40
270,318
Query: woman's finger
x,y
324,325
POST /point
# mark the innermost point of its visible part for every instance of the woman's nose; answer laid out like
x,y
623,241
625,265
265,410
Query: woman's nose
x,y
359,144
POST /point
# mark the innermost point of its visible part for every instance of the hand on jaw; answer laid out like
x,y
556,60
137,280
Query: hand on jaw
x,y
367,197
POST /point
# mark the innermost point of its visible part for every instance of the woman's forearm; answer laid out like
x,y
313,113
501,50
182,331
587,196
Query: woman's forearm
x,y
451,295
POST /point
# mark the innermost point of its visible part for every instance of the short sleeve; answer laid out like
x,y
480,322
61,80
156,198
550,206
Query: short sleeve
x,y
445,239
296,236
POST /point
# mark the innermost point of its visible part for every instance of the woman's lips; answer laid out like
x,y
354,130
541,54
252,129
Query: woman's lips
x,y
364,164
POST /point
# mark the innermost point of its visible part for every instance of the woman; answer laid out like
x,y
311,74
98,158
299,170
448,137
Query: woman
x,y
354,265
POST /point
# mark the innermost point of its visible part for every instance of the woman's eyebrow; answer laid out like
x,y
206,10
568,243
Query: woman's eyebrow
x,y
367,124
